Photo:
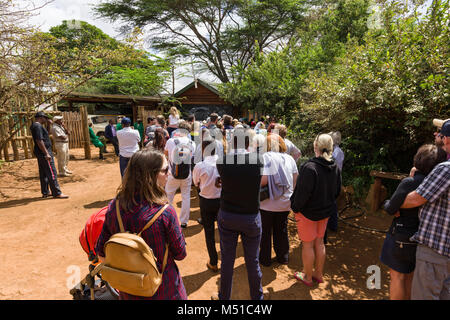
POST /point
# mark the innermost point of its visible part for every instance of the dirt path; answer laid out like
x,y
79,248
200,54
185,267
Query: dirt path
x,y
41,255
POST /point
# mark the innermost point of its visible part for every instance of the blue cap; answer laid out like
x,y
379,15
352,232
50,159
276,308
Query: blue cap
x,y
125,120
445,130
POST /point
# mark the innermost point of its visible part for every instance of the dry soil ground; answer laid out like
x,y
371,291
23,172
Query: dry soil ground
x,y
40,254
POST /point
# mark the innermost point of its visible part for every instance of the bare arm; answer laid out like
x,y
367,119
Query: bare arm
x,y
41,146
264,181
413,200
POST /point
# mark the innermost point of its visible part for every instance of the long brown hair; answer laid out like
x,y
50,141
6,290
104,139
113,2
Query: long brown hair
x,y
140,180
159,142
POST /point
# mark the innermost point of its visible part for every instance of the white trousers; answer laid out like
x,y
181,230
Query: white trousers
x,y
185,188
62,156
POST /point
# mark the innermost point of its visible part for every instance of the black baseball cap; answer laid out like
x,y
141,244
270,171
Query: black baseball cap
x,y
41,114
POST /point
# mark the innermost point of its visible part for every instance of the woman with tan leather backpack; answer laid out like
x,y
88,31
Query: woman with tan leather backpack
x,y
140,210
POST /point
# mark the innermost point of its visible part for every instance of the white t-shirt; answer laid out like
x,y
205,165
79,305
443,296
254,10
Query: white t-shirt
x,y
128,139
173,119
273,160
170,146
204,176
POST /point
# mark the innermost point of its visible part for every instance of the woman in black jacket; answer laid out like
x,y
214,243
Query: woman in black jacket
x,y
318,185
398,252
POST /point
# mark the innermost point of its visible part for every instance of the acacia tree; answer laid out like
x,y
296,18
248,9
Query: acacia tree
x,y
137,73
32,69
272,83
218,34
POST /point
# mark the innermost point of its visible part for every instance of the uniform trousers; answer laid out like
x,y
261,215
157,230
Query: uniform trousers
x,y
48,176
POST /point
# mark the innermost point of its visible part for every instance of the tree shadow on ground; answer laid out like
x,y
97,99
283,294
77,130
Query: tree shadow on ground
x,y
349,254
21,202
97,204
194,282
191,231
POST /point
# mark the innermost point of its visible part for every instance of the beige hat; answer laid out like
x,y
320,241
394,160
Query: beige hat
x,y
55,118
438,122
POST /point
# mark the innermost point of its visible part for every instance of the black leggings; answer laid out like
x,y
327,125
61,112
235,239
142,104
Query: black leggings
x,y
274,223
208,211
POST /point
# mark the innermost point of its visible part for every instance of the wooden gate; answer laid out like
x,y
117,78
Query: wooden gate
x,y
21,144
72,121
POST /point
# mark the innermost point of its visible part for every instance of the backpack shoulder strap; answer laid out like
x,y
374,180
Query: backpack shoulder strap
x,y
119,218
156,216
166,254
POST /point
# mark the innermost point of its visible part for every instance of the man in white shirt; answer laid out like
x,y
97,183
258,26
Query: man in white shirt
x,y
61,137
205,176
128,143
182,139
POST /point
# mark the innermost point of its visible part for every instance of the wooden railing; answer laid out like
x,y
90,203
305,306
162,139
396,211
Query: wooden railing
x,y
379,175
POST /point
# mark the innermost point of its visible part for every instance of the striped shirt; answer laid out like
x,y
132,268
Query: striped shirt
x,y
434,228
165,229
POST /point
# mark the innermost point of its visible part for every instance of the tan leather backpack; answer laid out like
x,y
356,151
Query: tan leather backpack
x,y
130,265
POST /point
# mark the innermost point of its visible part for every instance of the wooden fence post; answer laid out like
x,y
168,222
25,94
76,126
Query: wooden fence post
x,y
30,139
23,130
85,130
14,141
376,195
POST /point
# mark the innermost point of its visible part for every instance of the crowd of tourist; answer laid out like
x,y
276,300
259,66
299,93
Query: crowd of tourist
x,y
248,180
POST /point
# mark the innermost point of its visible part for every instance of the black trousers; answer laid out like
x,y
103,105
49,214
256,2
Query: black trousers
x,y
274,223
47,175
115,143
208,211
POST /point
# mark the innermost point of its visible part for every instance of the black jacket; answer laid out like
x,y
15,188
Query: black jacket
x,y
318,186
408,222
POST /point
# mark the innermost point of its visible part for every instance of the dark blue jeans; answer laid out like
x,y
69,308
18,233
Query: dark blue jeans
x,y
248,226
123,162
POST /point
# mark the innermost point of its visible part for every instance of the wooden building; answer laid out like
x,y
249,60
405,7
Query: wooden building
x,y
202,99
132,106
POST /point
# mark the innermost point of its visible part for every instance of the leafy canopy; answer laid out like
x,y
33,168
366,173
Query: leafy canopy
x,y
216,34
127,71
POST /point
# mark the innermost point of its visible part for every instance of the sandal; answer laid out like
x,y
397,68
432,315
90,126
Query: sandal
x,y
317,280
300,277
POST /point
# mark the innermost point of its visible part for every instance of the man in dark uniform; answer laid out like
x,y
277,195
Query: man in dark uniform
x,y
44,155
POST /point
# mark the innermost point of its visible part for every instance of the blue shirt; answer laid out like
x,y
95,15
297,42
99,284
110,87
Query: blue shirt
x,y
338,156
